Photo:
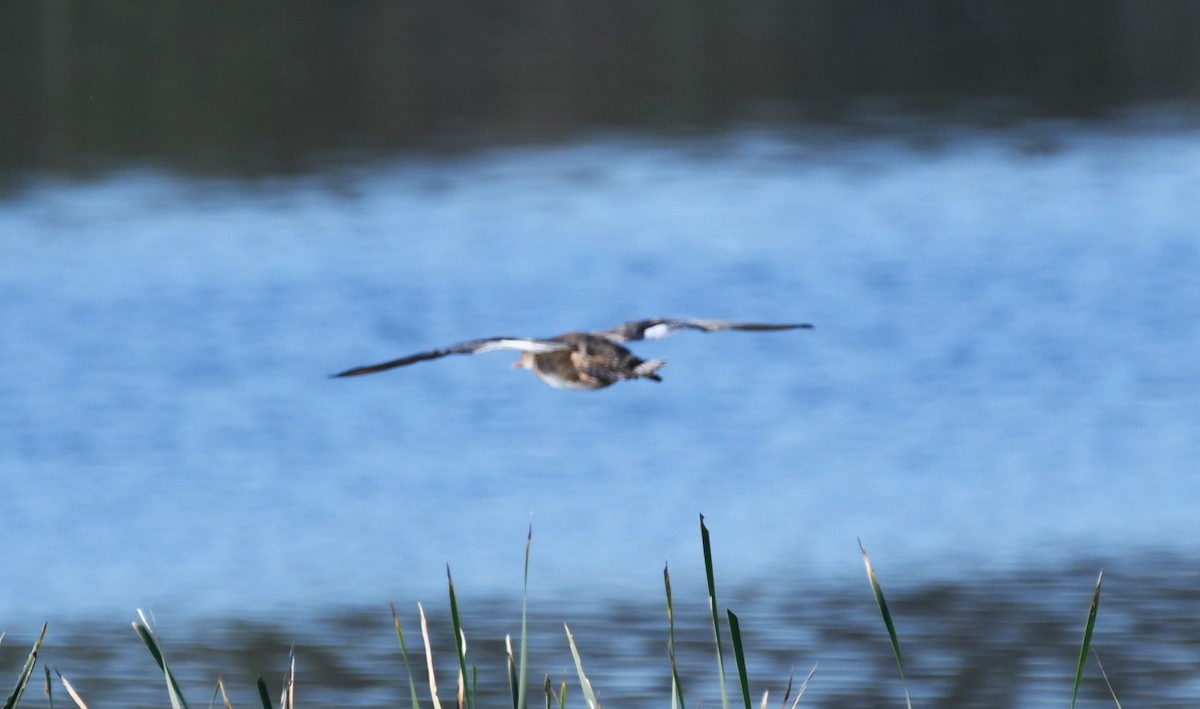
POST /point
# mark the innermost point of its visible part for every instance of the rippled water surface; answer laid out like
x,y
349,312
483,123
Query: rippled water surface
x,y
1001,397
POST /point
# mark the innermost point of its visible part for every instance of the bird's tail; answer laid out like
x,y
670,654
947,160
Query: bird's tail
x,y
648,368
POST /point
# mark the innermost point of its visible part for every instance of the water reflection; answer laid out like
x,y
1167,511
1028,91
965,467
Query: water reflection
x,y
995,642
225,90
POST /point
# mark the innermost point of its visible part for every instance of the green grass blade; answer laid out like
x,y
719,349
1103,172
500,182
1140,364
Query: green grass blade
x,y
1104,674
512,671
220,688
551,697
412,686
799,692
288,700
173,691
460,645
26,672
523,674
433,692
677,701
46,687
177,701
225,695
887,620
263,695
739,655
71,691
712,606
1087,639
586,686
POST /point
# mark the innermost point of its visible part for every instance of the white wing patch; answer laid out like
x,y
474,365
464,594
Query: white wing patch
x,y
657,332
535,346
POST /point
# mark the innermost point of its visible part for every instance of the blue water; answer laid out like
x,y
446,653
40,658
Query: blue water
x,y
1003,374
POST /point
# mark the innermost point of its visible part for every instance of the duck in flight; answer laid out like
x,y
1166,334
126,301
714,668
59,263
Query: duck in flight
x,y
582,360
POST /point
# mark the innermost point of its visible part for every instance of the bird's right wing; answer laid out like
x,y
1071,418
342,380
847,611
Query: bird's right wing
x,y
487,344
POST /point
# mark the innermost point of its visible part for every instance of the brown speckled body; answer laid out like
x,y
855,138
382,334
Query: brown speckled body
x,y
591,362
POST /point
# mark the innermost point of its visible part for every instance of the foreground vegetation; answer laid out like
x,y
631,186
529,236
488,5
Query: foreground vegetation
x,y
726,634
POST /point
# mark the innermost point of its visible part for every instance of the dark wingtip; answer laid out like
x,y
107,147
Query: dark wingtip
x,y
767,327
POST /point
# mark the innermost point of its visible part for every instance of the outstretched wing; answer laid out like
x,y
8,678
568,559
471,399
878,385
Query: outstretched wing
x,y
657,328
486,344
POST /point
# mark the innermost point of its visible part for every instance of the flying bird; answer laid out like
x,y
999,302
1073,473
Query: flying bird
x,y
581,360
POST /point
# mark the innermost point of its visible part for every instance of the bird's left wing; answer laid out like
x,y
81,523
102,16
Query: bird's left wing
x,y
657,328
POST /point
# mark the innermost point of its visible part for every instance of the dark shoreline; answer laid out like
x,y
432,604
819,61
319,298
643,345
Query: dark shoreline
x,y
261,90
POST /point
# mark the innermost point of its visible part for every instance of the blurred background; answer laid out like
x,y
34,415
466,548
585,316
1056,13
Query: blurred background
x,y
987,209
284,86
